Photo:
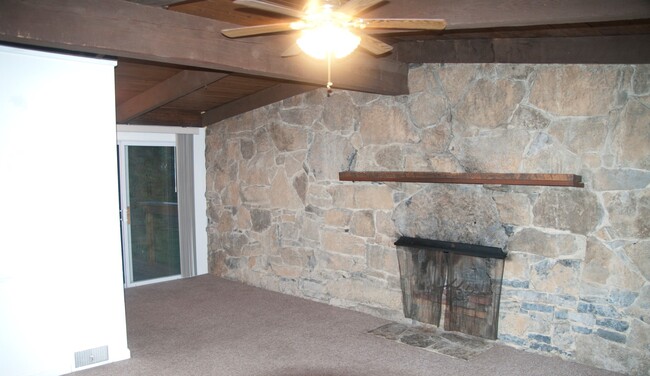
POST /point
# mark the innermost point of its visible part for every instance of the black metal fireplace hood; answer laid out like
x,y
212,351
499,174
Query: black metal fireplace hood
x,y
447,247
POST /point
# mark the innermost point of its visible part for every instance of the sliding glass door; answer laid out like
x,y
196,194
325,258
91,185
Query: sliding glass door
x,y
149,203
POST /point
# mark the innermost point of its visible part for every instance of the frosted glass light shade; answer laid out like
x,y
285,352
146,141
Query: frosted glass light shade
x,y
327,39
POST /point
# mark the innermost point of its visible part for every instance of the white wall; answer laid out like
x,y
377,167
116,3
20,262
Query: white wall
x,y
60,260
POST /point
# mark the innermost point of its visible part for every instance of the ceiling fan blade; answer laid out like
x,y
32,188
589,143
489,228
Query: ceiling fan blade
x,y
405,23
354,7
293,50
374,45
248,31
270,7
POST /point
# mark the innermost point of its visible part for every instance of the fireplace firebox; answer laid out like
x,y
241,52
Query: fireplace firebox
x,y
456,284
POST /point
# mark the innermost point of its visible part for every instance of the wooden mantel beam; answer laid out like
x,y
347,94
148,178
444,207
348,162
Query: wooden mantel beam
x,y
124,29
554,180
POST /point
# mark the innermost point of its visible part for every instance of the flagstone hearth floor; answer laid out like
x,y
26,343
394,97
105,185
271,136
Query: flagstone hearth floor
x,y
453,344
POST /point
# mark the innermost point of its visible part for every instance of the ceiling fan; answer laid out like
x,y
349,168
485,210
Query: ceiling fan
x,y
330,27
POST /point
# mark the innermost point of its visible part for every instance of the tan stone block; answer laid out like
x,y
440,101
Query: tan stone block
x,y
338,217
514,324
318,196
339,262
258,170
514,208
622,275
363,291
302,116
602,353
363,223
232,150
605,179
230,195
547,154
373,196
262,139
343,242
256,195
310,229
390,158
296,256
293,162
472,151
416,162
597,260
639,337
342,195
340,113
639,253
329,153
517,266
533,241
384,224
217,263
287,271
436,139
243,218
575,90
383,259
225,222
495,100
576,210
455,79
445,163
556,277
421,79
580,135
426,109
283,195
632,136
288,138
384,123
629,212
528,118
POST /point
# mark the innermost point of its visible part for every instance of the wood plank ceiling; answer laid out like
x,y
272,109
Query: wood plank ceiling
x,y
175,67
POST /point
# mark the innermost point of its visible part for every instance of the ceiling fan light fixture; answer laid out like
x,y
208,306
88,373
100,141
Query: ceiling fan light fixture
x,y
328,40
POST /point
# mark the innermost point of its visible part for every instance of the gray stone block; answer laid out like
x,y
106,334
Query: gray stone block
x,y
611,336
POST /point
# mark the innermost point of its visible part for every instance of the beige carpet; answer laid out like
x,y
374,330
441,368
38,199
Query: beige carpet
x,y
210,326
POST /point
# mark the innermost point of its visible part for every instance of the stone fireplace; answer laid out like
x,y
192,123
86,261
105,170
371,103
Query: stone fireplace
x,y
454,286
576,280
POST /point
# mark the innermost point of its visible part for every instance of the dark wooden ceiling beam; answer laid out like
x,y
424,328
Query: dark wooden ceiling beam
x,y
261,98
620,49
177,86
472,14
158,3
170,116
123,29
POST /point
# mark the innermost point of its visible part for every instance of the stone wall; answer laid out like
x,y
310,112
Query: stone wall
x,y
576,278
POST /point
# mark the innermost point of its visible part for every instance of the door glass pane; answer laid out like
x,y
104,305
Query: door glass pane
x,y
153,211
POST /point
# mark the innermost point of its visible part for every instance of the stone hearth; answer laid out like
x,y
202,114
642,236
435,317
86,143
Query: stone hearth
x,y
456,345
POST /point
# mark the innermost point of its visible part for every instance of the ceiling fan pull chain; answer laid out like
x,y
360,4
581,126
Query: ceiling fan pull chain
x,y
329,74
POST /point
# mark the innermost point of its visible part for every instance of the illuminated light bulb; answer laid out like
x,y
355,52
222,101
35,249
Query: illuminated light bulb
x,y
326,39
